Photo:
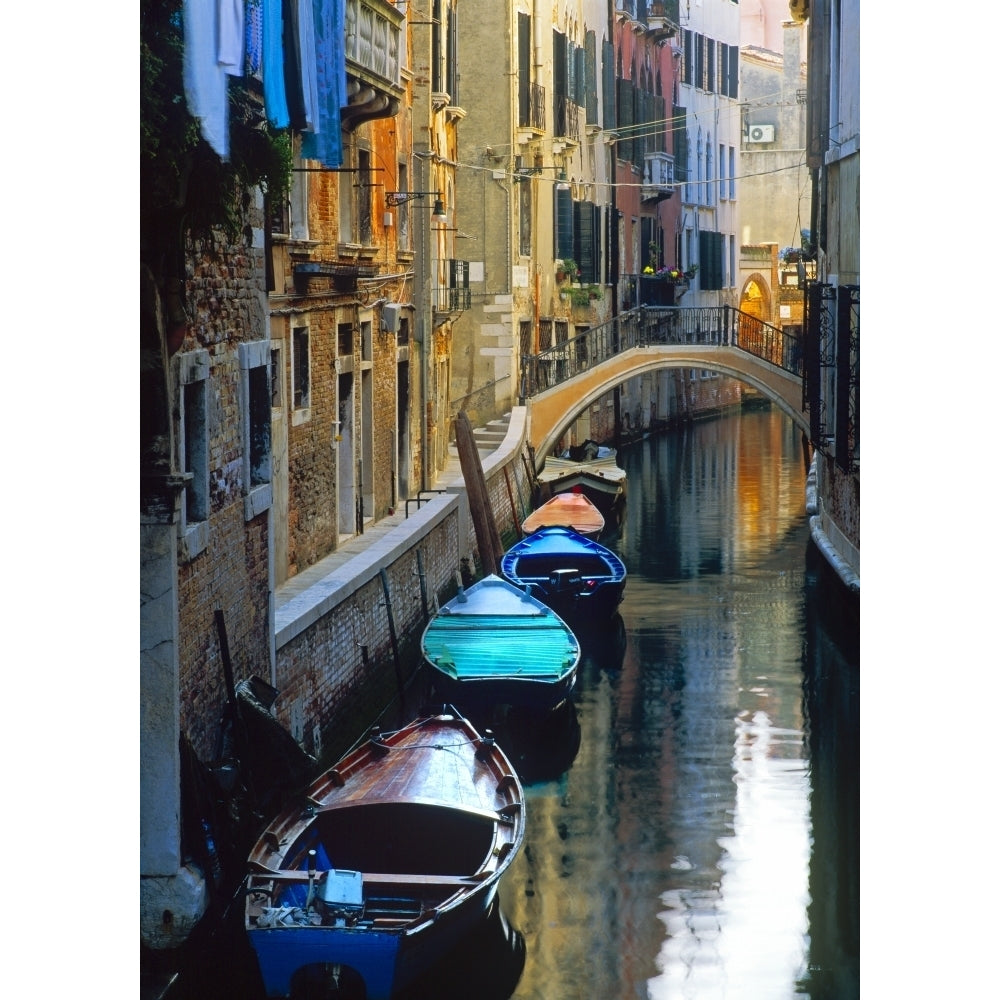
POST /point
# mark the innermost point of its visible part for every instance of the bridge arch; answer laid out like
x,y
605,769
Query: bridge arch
x,y
553,411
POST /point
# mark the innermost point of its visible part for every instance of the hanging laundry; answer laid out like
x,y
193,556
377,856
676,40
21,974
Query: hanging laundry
x,y
253,43
324,142
292,63
231,36
307,53
205,80
273,68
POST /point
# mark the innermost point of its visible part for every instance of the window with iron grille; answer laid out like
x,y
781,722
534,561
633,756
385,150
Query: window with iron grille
x,y
300,367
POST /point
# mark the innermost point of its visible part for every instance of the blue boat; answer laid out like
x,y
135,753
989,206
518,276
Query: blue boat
x,y
495,644
580,579
386,862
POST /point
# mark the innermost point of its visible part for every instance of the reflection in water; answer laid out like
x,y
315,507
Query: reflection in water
x,y
486,965
674,859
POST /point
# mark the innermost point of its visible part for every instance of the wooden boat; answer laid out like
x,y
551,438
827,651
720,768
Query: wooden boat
x,y
495,644
598,475
580,579
391,857
568,510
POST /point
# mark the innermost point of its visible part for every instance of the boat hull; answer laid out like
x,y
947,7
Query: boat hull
x,y
600,479
392,855
386,960
495,644
568,510
581,580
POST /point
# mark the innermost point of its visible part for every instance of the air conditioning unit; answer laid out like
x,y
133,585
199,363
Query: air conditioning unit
x,y
390,317
761,133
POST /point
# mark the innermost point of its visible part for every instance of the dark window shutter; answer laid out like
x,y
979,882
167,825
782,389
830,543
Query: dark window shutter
x,y
611,271
524,69
580,91
710,65
688,56
585,242
680,143
734,71
590,77
710,260
657,140
558,67
564,224
626,118
699,61
453,57
608,84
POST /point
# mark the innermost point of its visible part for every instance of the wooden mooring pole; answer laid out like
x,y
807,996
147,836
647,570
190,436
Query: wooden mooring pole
x,y
487,536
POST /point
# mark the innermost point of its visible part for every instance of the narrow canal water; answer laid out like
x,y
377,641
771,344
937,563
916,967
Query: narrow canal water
x,y
692,814
702,843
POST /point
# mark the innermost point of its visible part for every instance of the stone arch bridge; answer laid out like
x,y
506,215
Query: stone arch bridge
x,y
561,382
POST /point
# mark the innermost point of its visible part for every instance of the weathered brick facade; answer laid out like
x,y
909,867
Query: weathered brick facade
x,y
231,573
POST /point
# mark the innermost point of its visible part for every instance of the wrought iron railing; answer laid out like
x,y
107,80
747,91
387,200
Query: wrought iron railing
x,y
718,326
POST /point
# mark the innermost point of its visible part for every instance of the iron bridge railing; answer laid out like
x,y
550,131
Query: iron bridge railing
x,y
716,326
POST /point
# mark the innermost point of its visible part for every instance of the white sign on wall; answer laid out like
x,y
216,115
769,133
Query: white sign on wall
x,y
785,312
519,275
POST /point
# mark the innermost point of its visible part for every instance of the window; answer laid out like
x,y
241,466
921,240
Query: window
x,y
193,370
300,368
732,173
710,65
363,193
524,200
275,378
255,384
709,172
722,172
403,209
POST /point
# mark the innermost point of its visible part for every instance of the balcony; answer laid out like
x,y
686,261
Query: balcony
x,y
657,177
373,42
454,296
662,18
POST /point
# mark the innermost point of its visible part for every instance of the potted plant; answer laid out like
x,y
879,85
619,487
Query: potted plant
x,y
567,268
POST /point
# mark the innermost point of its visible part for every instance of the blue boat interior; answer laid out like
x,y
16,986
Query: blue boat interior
x,y
432,843
501,646
540,568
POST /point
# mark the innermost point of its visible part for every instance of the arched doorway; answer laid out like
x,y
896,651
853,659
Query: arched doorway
x,y
755,298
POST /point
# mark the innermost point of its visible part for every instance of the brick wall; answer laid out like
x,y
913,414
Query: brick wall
x,y
225,296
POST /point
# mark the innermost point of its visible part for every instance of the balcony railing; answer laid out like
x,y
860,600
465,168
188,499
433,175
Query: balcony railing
x,y
372,40
532,113
658,176
454,296
567,125
719,326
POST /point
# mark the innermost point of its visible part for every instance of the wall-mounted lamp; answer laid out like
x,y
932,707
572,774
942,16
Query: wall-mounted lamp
x,y
393,198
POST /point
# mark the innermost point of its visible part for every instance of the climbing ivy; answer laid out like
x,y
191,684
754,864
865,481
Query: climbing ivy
x,y
186,190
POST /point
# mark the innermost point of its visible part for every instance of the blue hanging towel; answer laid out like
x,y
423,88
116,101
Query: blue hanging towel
x,y
273,64
324,143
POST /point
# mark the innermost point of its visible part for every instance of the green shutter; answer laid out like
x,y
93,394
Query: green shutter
x,y
626,118
590,77
608,85
585,242
523,69
564,224
680,143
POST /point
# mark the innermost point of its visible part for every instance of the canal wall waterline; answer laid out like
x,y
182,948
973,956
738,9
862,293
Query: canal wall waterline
x,y
347,630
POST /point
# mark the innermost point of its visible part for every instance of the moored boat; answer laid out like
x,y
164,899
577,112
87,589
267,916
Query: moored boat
x,y
580,579
596,473
496,644
393,854
572,509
